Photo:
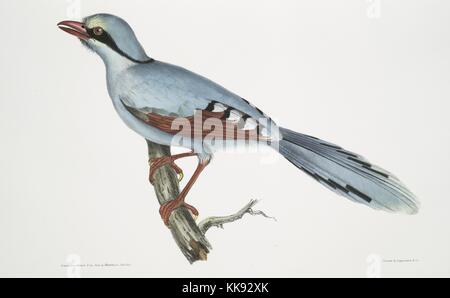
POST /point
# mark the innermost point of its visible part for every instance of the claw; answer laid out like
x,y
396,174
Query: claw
x,y
166,210
180,176
194,216
156,163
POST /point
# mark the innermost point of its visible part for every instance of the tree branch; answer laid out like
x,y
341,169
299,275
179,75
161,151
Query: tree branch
x,y
219,221
189,236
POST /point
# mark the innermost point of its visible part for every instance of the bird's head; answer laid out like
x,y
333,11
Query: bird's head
x,y
107,35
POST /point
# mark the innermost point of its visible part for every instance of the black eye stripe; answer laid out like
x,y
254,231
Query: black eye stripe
x,y
104,37
107,39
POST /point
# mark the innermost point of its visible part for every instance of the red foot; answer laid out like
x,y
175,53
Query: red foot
x,y
166,209
156,163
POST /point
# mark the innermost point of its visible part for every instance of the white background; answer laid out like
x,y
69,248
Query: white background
x,y
372,76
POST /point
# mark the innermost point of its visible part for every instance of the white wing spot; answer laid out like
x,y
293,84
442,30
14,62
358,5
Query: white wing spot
x,y
218,107
250,124
235,116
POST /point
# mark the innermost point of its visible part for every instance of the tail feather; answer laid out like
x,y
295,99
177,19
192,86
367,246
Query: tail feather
x,y
347,173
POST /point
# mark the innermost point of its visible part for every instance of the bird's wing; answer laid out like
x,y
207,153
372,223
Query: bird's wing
x,y
160,93
224,124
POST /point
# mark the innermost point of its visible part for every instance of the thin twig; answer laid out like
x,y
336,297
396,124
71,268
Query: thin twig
x,y
219,221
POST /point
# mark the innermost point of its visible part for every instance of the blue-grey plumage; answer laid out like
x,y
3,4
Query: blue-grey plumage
x,y
137,81
140,86
172,91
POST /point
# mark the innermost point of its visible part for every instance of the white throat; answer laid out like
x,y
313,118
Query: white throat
x,y
114,62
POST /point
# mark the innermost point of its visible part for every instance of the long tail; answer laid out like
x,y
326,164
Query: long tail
x,y
347,173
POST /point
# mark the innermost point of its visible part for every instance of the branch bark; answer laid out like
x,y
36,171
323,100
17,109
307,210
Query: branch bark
x,y
189,236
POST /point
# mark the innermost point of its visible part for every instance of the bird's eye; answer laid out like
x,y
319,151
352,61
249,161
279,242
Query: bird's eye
x,y
98,31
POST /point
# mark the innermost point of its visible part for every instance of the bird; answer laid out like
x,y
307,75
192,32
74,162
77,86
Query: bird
x,y
170,105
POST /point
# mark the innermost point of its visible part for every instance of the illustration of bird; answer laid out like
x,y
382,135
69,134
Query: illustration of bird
x,y
170,105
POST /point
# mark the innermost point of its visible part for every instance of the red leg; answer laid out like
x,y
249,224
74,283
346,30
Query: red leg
x,y
156,163
167,208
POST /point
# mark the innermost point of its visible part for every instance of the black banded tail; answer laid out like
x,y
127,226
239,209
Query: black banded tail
x,y
347,173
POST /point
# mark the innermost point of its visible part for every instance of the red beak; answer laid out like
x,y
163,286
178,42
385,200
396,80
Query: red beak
x,y
75,28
